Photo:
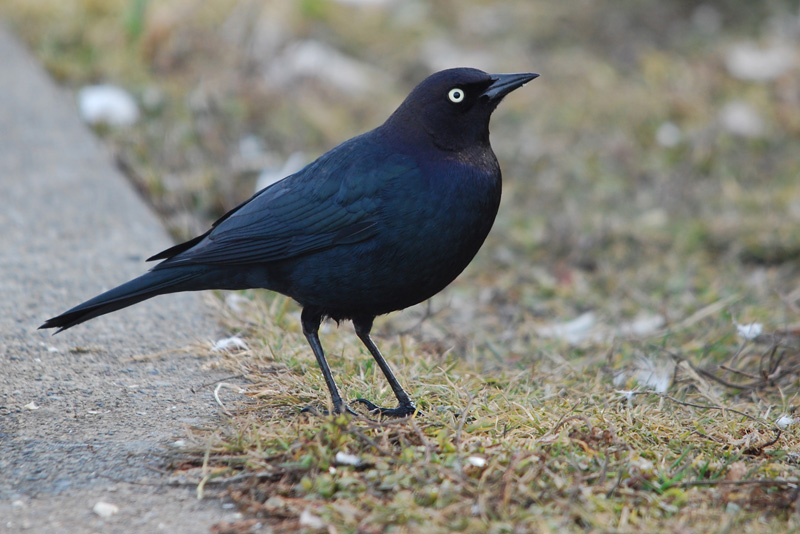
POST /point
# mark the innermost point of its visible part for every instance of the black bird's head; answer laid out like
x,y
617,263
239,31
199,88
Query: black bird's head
x,y
454,106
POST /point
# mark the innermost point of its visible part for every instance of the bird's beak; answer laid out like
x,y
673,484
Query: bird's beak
x,y
502,84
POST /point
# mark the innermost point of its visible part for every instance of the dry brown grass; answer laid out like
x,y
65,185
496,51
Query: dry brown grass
x,y
548,444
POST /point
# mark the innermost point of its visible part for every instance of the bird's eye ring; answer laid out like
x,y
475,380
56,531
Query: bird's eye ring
x,y
456,95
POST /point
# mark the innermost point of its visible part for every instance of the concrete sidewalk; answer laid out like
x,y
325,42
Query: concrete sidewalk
x,y
70,227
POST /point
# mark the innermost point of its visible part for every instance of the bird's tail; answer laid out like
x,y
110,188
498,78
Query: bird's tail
x,y
148,285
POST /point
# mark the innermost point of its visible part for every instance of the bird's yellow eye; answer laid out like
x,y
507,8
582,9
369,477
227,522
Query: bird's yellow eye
x,y
456,95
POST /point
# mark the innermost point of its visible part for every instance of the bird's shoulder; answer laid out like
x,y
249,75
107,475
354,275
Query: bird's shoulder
x,y
346,181
334,200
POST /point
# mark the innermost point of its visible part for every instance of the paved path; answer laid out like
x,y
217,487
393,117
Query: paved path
x,y
70,227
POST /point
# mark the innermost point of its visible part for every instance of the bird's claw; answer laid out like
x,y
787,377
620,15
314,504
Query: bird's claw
x,y
403,410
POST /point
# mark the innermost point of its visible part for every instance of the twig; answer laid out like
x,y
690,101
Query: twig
x,y
772,369
749,386
206,474
712,407
216,395
216,381
771,376
610,493
700,406
738,372
759,448
715,378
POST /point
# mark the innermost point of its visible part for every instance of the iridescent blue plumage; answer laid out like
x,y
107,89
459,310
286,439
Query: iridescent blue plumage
x,y
377,224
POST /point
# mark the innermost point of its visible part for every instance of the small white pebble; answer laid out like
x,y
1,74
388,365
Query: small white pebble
x,y
784,422
228,343
642,465
31,406
107,104
343,458
668,134
740,118
573,332
732,508
476,461
105,509
749,61
52,349
179,443
307,519
749,331
627,393
18,504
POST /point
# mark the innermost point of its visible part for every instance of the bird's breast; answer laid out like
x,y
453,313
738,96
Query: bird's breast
x,y
429,224
435,228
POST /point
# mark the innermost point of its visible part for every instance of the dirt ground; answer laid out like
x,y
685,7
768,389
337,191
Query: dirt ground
x,y
88,415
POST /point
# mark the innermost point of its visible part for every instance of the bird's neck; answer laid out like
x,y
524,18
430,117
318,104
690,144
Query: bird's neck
x,y
410,133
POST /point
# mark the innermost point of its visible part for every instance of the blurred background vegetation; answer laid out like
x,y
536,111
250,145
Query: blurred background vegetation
x,y
651,175
643,155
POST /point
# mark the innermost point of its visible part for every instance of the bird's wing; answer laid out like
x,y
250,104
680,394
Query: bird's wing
x,y
333,201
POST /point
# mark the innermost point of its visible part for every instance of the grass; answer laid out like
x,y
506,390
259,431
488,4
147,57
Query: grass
x,y
655,416
545,444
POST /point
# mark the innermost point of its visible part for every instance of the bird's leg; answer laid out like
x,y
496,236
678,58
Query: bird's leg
x,y
311,320
363,325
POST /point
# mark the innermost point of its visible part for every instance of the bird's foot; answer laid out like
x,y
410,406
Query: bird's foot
x,y
403,410
344,408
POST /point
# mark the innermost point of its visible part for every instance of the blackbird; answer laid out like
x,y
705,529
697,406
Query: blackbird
x,y
380,223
